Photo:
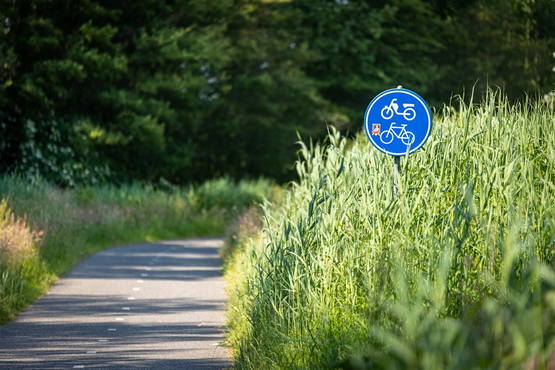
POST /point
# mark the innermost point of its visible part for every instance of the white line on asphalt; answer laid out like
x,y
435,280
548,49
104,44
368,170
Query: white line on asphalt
x,y
91,352
126,308
103,340
120,319
78,367
148,268
144,275
130,298
112,329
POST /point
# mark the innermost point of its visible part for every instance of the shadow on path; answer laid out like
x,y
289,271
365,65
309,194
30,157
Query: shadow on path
x,y
174,321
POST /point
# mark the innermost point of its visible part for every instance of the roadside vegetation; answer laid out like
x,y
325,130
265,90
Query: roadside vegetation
x,y
45,230
453,272
456,272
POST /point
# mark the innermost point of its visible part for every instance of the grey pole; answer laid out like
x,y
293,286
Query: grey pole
x,y
396,174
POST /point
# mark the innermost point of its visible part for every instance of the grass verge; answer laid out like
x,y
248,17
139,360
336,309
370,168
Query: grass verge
x,y
453,273
45,231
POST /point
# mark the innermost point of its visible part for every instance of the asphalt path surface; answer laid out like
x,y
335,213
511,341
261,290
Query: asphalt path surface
x,y
154,306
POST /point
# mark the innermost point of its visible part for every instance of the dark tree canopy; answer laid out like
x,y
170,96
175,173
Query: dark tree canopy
x,y
182,90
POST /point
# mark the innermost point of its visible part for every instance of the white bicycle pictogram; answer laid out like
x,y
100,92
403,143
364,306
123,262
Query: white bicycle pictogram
x,y
393,108
398,131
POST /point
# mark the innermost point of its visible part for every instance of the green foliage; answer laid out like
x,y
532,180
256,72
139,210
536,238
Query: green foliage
x,y
438,48
513,328
365,47
46,153
505,43
55,228
224,194
179,91
448,274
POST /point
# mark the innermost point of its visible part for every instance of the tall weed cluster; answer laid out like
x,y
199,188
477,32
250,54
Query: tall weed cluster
x,y
453,272
17,240
44,230
18,257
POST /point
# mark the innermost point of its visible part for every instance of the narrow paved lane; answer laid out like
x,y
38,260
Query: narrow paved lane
x,y
158,305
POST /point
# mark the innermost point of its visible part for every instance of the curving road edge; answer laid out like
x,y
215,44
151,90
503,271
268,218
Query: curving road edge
x,y
156,305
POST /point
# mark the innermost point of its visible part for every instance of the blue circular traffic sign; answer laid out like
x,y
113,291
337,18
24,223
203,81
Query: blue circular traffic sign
x,y
398,121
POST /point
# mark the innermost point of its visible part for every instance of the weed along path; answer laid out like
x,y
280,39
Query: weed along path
x,y
158,305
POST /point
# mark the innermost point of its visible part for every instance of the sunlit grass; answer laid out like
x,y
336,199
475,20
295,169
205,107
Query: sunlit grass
x,y
451,273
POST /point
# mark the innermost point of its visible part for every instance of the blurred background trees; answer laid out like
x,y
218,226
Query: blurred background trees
x,y
184,90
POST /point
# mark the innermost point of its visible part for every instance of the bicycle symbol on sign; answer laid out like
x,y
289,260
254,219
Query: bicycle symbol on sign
x,y
398,131
393,108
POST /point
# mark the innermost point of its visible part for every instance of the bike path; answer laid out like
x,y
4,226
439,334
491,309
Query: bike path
x,y
158,305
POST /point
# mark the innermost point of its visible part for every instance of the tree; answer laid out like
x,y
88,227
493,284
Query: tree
x,y
498,43
178,89
365,47
96,90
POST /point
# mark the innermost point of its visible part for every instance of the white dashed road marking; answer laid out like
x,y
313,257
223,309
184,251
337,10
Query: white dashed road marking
x,y
174,321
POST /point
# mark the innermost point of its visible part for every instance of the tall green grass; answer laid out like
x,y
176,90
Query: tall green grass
x,y
45,231
454,272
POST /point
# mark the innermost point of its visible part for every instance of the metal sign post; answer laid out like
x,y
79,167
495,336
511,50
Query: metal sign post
x,y
398,122
396,174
